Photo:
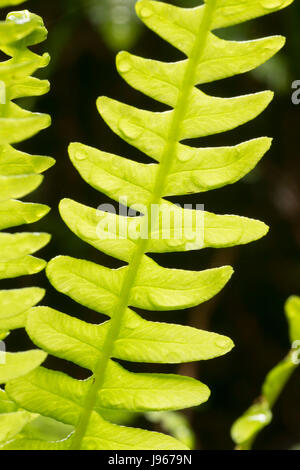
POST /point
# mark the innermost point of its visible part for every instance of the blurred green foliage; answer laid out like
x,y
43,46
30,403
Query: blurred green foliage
x,y
249,310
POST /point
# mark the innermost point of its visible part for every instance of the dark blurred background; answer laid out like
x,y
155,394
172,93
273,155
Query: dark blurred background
x,y
84,36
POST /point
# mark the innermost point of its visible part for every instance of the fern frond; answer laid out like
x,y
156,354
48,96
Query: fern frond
x,y
20,174
245,429
142,282
18,423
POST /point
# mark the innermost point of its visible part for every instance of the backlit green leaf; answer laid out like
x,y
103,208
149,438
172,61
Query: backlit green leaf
x,y
176,169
